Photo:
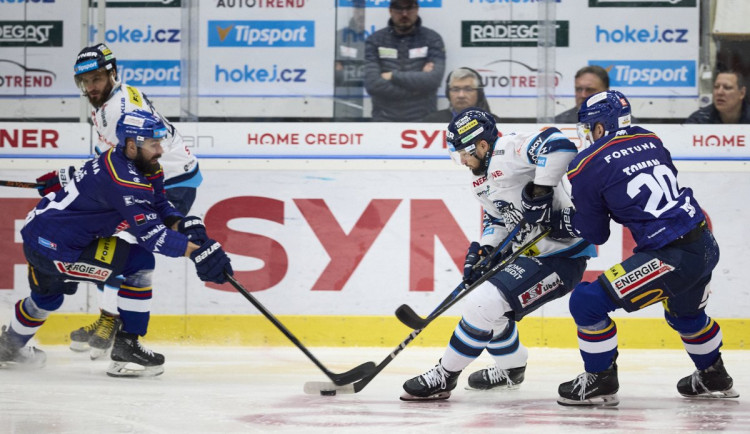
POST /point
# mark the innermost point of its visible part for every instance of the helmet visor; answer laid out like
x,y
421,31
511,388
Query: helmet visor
x,y
457,155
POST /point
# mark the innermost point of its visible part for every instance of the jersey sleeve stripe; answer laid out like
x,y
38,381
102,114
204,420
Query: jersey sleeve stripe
x,y
584,161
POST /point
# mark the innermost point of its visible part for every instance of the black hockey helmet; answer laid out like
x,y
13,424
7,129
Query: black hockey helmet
x,y
93,58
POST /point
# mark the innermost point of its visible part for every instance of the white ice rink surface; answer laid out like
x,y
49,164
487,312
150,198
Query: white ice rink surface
x,y
230,389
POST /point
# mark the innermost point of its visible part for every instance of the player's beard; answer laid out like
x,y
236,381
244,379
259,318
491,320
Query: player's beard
x,y
479,171
147,166
101,98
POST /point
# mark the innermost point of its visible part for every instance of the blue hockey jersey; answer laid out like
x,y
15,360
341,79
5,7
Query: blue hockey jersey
x,y
629,176
108,194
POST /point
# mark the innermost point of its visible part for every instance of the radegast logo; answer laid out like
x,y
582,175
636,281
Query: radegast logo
x,y
140,3
649,73
643,35
31,33
148,35
508,33
261,34
268,4
251,74
17,76
642,3
387,3
156,73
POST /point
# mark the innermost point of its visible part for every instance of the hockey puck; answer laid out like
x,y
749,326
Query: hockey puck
x,y
328,393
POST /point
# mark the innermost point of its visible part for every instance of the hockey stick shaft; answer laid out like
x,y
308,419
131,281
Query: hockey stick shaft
x,y
408,314
20,184
317,386
405,315
338,379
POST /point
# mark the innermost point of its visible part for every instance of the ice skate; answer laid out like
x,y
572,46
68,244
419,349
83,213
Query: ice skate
x,y
496,378
591,389
712,382
104,335
79,338
434,384
128,352
13,354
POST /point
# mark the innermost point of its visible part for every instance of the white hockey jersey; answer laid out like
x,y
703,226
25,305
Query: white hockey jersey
x,y
517,159
180,166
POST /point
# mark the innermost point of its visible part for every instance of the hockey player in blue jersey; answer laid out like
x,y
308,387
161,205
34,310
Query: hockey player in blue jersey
x,y
517,179
627,175
68,238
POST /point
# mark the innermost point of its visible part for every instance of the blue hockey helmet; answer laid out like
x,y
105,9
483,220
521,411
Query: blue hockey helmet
x,y
139,125
467,128
609,108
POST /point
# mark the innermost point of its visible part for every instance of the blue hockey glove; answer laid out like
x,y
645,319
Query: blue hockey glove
x,y
536,209
193,228
211,262
54,181
561,224
473,256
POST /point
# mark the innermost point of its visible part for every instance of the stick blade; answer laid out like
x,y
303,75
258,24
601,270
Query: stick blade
x,y
354,374
315,387
409,318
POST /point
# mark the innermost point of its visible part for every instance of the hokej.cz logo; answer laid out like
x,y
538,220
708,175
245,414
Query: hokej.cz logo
x,y
31,33
156,73
19,76
261,34
138,35
254,74
642,3
630,35
649,73
387,3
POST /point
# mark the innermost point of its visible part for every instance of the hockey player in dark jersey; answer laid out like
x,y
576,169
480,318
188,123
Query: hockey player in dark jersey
x,y
68,238
627,175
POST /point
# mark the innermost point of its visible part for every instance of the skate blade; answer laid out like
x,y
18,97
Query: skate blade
x,y
436,397
502,388
130,370
729,393
98,353
79,347
599,401
16,366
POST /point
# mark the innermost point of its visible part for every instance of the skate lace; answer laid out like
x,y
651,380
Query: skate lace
x,y
583,381
144,349
497,375
436,376
696,381
93,326
106,325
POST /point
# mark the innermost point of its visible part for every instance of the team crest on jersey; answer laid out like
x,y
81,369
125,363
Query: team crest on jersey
x,y
625,282
536,292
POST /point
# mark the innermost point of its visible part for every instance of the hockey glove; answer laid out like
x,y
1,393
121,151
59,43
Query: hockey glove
x,y
513,217
54,181
193,228
536,209
211,262
561,224
473,256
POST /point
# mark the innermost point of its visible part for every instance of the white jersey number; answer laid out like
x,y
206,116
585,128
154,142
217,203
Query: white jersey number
x,y
663,186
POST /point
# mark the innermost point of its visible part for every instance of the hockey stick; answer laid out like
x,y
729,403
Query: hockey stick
x,y
407,315
407,319
20,184
316,387
338,379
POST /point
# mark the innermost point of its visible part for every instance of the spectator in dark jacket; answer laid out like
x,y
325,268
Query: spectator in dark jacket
x,y
730,104
588,81
464,89
404,66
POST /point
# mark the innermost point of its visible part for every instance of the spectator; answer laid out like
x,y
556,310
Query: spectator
x,y
349,66
404,66
464,89
729,106
588,81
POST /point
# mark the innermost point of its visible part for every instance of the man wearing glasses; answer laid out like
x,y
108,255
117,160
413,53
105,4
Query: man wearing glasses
x,y
464,89
404,66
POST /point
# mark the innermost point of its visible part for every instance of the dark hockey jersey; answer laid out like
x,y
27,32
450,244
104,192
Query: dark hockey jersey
x,y
108,194
630,177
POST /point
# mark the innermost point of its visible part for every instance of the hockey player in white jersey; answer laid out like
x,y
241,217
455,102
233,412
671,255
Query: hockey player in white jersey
x,y
95,74
517,179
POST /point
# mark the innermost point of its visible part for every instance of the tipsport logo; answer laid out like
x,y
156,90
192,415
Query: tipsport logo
x,y
642,3
387,3
149,73
260,34
631,35
649,73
